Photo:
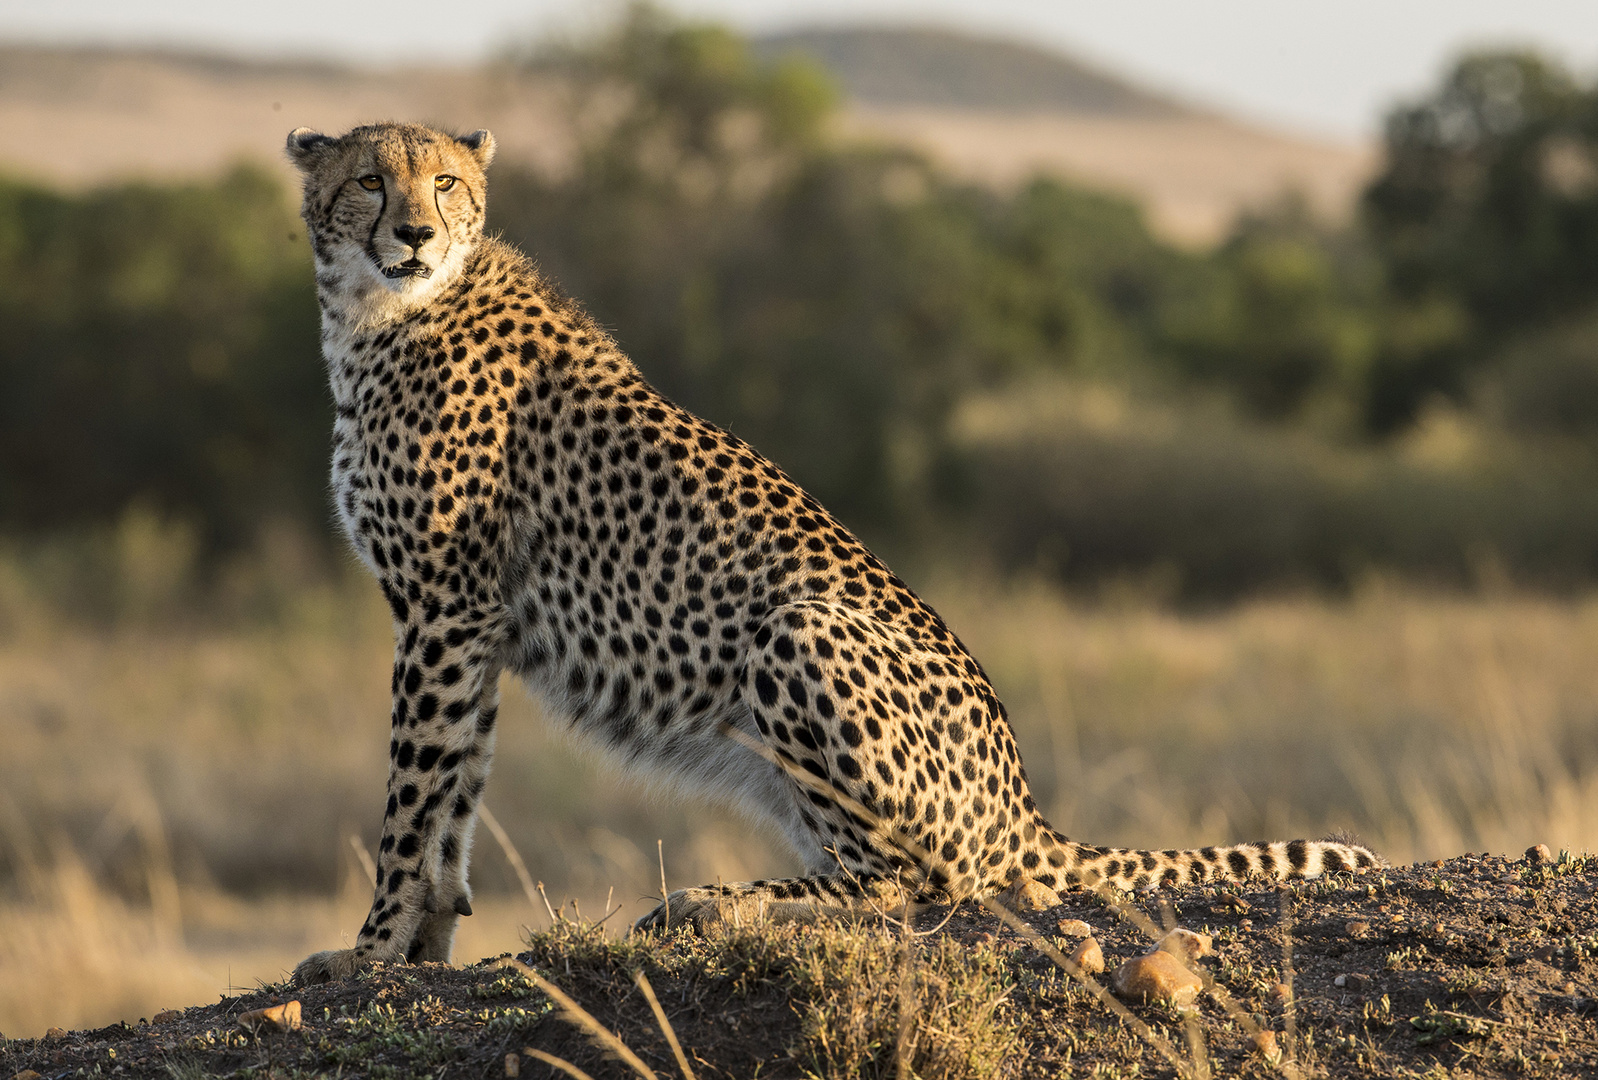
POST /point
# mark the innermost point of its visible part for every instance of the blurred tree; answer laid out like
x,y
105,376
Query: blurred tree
x,y
1284,315
1485,216
160,348
830,303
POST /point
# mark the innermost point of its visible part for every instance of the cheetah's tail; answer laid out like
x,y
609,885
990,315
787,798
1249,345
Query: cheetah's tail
x,y
1275,860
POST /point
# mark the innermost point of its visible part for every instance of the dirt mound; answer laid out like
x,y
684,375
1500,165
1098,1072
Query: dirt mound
x,y
1479,963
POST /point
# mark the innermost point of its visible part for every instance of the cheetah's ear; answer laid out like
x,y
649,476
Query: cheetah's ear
x,y
305,145
481,144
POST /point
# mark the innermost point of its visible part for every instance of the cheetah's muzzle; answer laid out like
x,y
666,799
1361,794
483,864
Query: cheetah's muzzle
x,y
529,503
408,268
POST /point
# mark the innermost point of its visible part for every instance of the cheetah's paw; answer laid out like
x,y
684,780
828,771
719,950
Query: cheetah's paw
x,y
334,965
697,908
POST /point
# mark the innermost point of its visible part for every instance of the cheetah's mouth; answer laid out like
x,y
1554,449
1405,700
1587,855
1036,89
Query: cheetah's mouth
x,y
409,268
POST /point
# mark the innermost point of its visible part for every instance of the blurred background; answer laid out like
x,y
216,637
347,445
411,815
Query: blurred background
x,y
1232,391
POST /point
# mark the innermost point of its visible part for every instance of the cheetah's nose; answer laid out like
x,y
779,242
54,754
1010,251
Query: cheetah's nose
x,y
414,235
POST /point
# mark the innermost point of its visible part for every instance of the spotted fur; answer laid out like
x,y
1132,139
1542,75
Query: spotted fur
x,y
529,503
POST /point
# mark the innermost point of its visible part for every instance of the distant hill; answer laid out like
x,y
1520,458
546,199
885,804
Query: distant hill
x,y
932,67
998,112
994,112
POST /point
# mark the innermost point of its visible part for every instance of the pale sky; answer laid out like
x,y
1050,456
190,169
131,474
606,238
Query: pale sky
x,y
1328,67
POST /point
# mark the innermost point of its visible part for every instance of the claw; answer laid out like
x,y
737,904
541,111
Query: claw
x,y
463,906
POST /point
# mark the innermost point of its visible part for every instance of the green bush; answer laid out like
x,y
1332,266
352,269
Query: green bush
x,y
160,349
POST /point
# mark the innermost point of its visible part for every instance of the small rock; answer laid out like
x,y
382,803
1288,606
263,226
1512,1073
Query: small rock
x,y
1028,895
1185,945
1539,853
1236,902
1074,928
55,1033
1546,953
1156,976
285,1017
1352,981
166,1016
1357,927
1280,995
513,1065
1089,957
1265,1045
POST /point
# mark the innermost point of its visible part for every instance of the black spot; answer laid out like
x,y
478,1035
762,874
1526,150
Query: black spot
x,y
766,687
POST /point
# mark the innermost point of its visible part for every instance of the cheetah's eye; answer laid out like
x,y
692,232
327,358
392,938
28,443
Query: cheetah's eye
x,y
443,183
372,183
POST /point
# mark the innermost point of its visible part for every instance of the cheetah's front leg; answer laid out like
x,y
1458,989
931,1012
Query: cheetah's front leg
x,y
445,705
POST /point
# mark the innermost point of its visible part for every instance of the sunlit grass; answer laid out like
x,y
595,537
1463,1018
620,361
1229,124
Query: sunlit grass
x,y
177,799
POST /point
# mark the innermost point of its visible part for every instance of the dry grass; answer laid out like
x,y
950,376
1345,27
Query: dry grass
x,y
178,802
74,954
1430,724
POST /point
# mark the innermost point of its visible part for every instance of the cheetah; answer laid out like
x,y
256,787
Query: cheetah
x,y
529,504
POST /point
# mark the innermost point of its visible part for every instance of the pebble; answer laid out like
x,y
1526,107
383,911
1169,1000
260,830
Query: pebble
x,y
1156,976
1185,945
1089,957
1357,927
1539,853
1074,928
1028,895
285,1017
1235,901
513,1065
1265,1045
166,1016
55,1033
1352,981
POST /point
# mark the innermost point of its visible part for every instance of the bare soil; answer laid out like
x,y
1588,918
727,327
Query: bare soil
x,y
1479,964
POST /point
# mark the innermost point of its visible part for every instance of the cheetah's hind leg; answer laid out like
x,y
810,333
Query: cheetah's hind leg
x,y
780,900
895,763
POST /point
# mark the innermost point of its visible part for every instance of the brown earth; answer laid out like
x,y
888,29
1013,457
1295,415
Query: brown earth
x,y
1478,964
85,116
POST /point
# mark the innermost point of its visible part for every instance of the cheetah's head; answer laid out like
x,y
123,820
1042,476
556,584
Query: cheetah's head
x,y
393,210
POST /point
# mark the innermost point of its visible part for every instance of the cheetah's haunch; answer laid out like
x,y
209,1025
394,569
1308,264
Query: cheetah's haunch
x,y
528,502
